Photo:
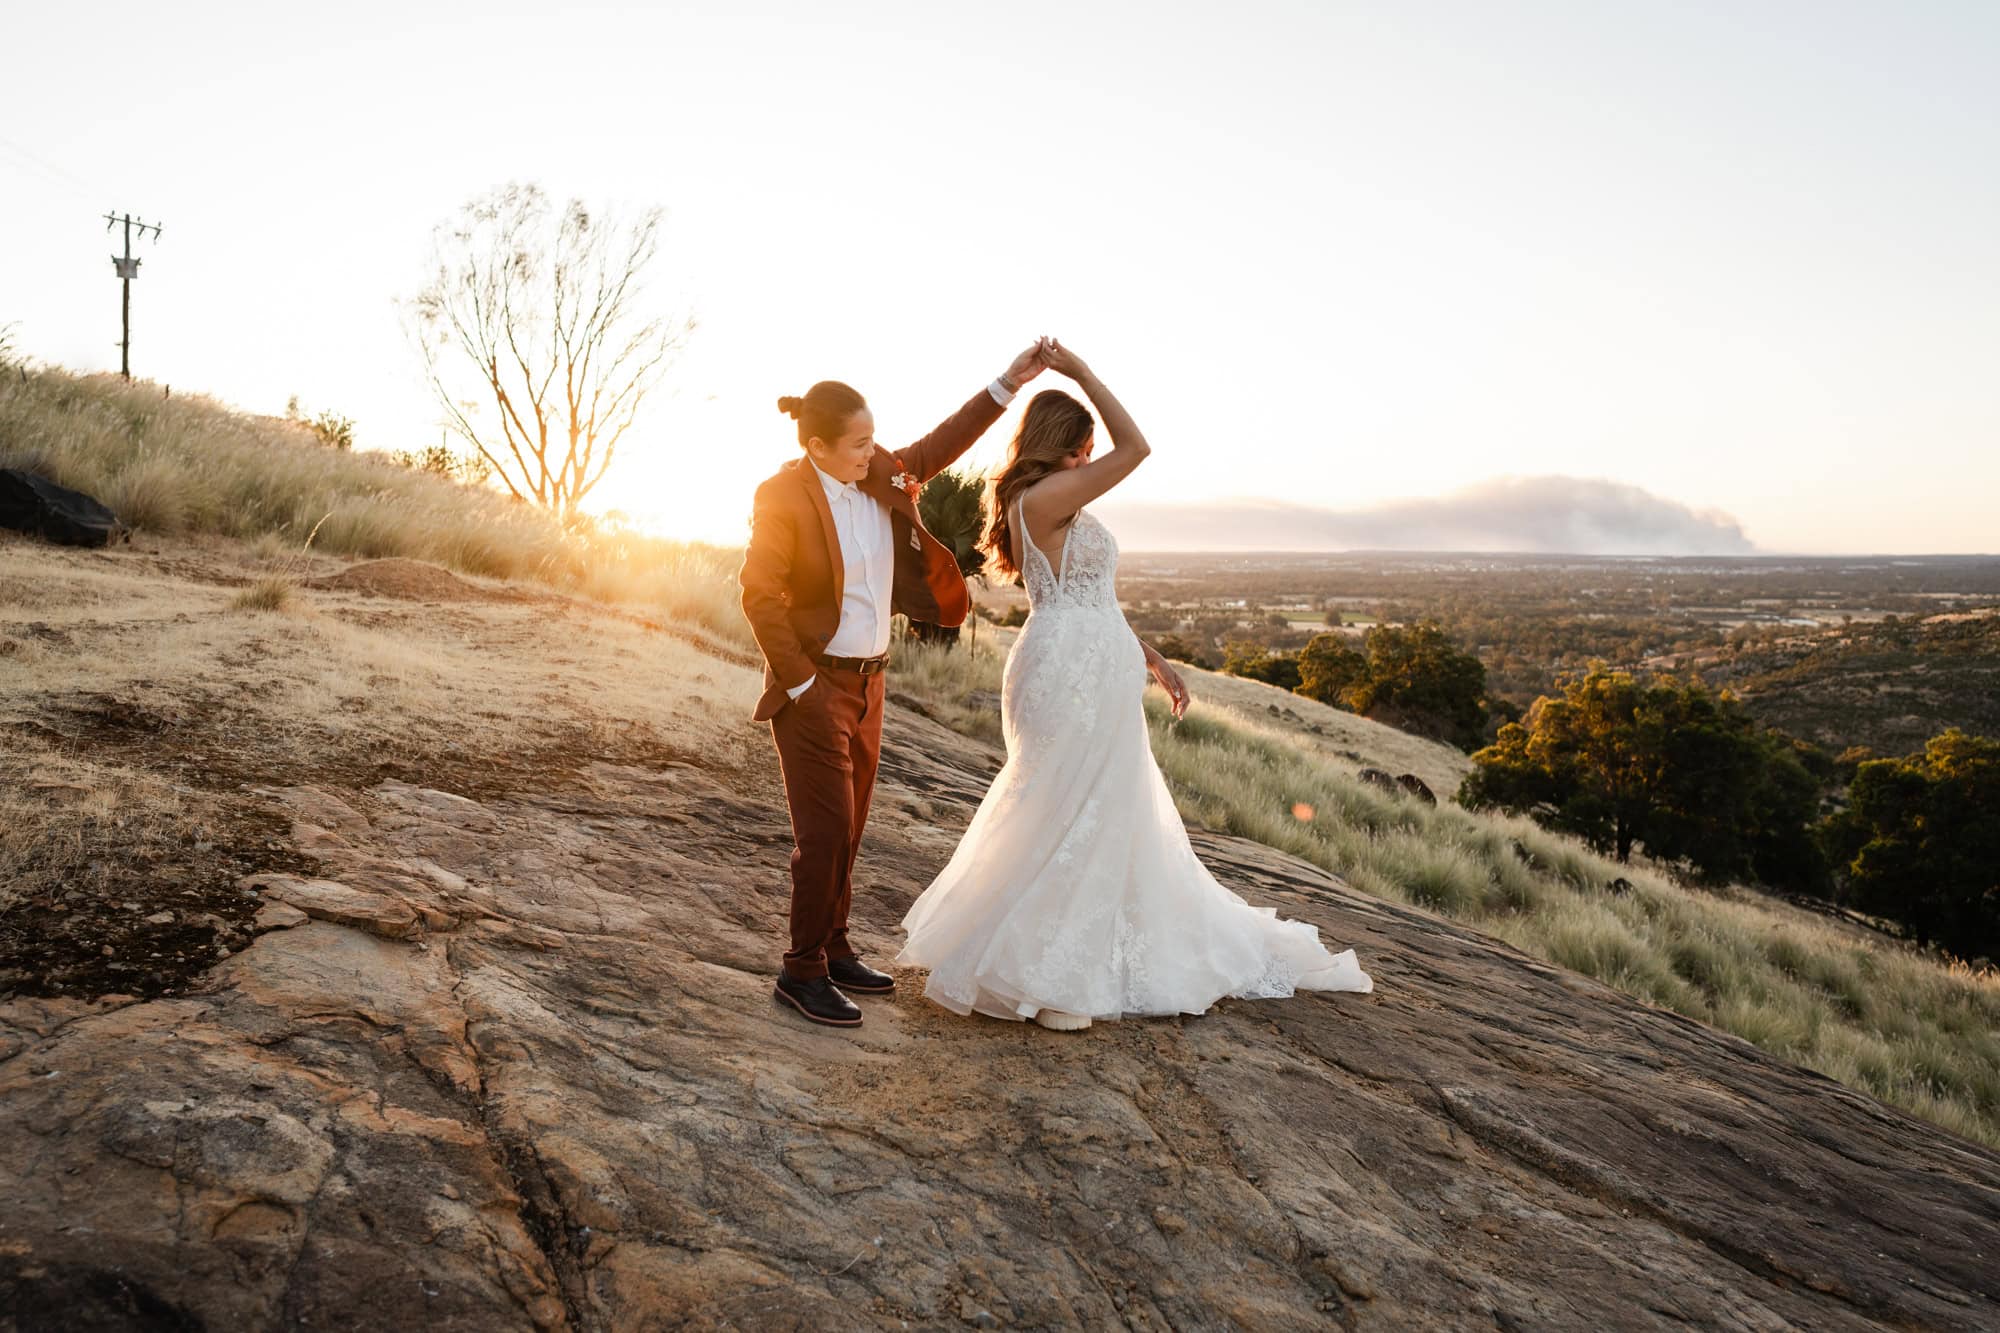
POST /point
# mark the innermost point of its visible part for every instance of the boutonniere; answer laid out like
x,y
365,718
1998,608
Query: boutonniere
x,y
909,484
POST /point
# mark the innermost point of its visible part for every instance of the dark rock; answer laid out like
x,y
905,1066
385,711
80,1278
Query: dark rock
x,y
36,505
1413,785
1376,777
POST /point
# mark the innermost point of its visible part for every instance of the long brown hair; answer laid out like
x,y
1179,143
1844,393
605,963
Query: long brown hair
x,y
1054,427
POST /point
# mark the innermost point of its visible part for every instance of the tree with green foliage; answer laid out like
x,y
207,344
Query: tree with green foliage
x,y
1919,842
1666,765
1413,678
1253,661
1421,681
1328,667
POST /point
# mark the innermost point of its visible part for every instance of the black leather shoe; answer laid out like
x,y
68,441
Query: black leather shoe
x,y
855,975
819,1000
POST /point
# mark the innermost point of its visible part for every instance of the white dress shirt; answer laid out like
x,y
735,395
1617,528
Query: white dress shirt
x,y
869,577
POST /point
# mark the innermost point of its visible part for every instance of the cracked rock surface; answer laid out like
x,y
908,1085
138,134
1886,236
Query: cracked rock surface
x,y
513,1063
461,918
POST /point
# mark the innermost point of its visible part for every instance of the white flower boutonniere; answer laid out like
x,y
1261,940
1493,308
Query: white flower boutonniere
x,y
907,483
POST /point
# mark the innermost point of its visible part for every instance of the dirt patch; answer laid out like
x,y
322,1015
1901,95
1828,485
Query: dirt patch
x,y
414,581
141,895
141,917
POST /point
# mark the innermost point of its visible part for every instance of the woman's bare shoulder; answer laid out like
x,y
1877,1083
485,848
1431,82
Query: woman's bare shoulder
x,y
1048,505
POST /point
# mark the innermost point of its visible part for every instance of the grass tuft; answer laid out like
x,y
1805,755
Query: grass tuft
x,y
273,592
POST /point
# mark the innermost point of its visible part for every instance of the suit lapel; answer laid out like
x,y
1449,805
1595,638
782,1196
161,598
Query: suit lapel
x,y
816,495
878,485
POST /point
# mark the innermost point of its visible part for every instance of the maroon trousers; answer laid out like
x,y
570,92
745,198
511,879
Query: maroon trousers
x,y
829,745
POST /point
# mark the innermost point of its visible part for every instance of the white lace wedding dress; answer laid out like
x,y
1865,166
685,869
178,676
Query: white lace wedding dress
x,y
1074,888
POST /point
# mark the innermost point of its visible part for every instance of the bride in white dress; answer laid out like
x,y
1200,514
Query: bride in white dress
x,y
1074,894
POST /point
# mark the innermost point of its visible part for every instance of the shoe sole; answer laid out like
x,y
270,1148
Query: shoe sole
x,y
811,1017
846,989
1062,1022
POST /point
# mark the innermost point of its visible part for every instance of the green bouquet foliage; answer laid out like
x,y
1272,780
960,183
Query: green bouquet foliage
x,y
949,505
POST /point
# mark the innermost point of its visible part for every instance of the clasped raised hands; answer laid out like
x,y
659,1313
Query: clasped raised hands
x,y
1061,360
1046,354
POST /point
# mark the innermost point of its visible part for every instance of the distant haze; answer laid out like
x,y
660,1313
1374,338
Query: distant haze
x,y
1519,514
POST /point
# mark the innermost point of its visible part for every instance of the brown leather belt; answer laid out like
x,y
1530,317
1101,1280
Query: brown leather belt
x,y
867,666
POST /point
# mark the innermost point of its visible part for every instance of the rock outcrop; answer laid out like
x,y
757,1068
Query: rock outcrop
x,y
513,1063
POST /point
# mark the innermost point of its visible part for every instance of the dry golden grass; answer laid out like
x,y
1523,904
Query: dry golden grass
x,y
1918,1031
187,465
272,592
60,816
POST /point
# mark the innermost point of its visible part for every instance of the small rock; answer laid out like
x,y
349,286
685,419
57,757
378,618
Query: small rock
x,y
1413,785
278,916
1169,1221
160,919
1349,1281
382,914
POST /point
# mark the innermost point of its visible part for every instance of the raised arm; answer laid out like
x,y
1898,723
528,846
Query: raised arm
x,y
1054,500
959,431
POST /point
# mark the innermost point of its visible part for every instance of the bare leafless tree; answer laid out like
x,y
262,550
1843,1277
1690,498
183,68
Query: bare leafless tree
x,y
543,312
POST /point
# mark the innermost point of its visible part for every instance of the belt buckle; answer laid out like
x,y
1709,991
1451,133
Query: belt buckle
x,y
873,665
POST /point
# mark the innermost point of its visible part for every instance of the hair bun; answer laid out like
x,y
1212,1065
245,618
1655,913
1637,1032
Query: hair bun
x,y
791,407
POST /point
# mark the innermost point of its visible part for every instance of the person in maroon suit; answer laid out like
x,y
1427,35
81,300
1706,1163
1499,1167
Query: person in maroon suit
x,y
836,548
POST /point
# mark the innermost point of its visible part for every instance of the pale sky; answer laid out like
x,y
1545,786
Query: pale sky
x,y
1744,256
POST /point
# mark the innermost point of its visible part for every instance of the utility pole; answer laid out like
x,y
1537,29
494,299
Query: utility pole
x,y
128,269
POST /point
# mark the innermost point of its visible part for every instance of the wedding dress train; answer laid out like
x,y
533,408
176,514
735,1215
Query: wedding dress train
x,y
1074,888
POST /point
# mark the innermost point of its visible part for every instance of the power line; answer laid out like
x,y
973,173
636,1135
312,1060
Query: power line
x,y
128,269
49,172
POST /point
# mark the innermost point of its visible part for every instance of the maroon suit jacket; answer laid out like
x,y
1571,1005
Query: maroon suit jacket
x,y
793,576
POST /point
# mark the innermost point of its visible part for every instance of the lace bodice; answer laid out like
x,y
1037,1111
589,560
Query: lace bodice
x,y
1087,575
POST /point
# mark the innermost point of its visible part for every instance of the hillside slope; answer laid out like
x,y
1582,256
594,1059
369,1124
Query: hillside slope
x,y
479,1035
1887,687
